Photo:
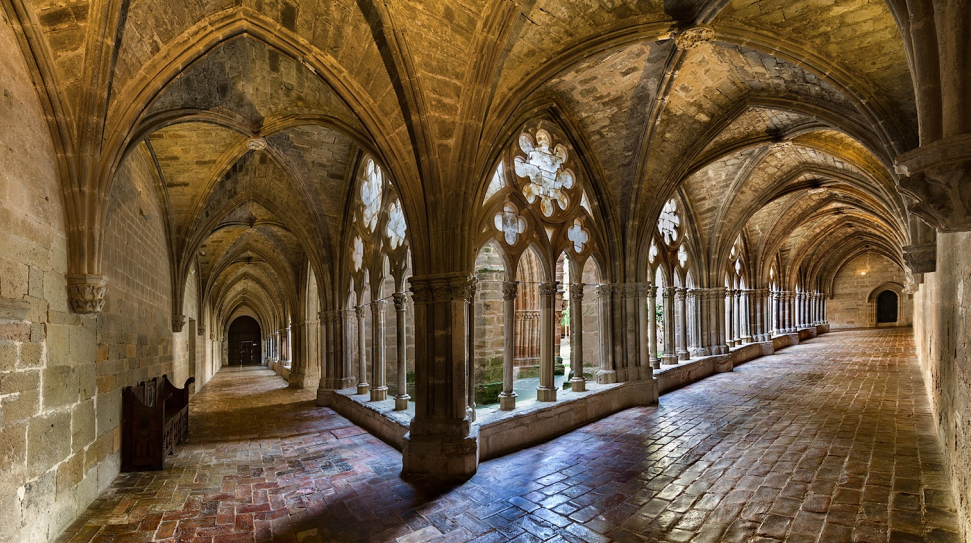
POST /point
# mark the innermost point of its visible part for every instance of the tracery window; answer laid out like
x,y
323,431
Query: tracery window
x,y
548,178
371,190
396,228
669,222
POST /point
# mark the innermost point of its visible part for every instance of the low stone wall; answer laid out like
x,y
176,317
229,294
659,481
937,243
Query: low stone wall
x,y
510,431
505,432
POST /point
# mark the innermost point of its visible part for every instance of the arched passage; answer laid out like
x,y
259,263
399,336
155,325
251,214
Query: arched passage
x,y
887,307
245,345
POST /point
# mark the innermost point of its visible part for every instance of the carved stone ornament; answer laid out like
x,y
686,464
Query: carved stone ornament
x,y
547,289
400,299
543,166
576,291
937,177
256,144
178,323
510,289
921,258
442,288
690,38
202,330
360,311
87,292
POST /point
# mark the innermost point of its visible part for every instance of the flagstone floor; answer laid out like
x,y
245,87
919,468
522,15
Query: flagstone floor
x,y
827,441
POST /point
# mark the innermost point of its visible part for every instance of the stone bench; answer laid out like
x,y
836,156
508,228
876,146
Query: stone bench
x,y
155,417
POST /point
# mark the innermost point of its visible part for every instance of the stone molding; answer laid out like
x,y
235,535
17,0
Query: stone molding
x,y
442,288
87,292
202,329
548,289
689,38
937,176
921,258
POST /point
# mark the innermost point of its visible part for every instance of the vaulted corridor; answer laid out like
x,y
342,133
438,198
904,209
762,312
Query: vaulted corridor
x,y
829,440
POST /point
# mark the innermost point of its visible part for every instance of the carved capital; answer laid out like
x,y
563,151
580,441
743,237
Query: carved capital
x,y
576,292
202,329
668,292
682,294
921,258
442,288
360,311
510,289
937,177
631,290
400,300
87,292
547,289
690,38
178,323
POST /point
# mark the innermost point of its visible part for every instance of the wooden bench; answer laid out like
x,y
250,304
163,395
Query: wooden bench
x,y
155,417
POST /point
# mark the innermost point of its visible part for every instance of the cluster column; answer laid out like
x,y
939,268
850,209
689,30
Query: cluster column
x,y
378,369
652,327
748,326
699,328
441,439
606,374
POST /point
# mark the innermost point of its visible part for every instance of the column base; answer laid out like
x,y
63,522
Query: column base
x,y
656,363
445,457
346,382
747,339
401,402
363,388
684,355
647,373
698,352
606,377
507,402
544,394
379,393
722,349
577,385
669,360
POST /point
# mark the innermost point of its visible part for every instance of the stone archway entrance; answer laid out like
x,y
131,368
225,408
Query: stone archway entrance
x,y
887,304
245,344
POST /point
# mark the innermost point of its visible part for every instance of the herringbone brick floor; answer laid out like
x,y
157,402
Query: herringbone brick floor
x,y
828,441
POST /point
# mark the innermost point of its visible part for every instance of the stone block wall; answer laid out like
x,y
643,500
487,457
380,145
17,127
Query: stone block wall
x,y
942,333
851,306
489,320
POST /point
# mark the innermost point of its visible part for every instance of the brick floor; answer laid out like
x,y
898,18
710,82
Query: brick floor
x,y
828,441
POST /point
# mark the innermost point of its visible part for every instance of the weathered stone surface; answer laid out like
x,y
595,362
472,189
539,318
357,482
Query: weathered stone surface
x,y
48,441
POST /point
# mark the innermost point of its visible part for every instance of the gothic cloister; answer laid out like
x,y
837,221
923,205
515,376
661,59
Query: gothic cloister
x,y
475,238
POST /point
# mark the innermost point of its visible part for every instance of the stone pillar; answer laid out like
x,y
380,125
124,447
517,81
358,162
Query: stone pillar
x,y
349,321
655,362
737,322
787,298
400,308
507,398
730,323
441,440
330,369
698,301
709,321
681,311
722,333
379,390
606,374
546,391
470,343
632,318
748,326
776,313
362,385
577,382
669,357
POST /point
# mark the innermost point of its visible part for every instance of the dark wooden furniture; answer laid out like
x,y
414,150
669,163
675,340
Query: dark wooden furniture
x,y
154,417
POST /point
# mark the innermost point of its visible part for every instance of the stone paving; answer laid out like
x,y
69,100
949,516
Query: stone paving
x,y
828,441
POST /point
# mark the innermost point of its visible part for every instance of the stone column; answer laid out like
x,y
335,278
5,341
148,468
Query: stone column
x,y
681,312
507,398
577,382
400,308
349,322
362,385
776,312
748,326
700,347
441,440
379,390
669,357
606,374
790,320
730,323
470,342
722,333
632,315
652,327
546,391
737,323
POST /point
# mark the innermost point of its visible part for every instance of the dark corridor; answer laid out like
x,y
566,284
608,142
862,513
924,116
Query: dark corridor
x,y
887,307
245,344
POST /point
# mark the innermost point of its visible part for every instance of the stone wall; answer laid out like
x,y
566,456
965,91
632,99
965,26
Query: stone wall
x,y
61,374
852,305
489,320
942,307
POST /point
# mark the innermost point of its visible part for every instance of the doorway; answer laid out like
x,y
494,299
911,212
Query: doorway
x,y
887,307
245,342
